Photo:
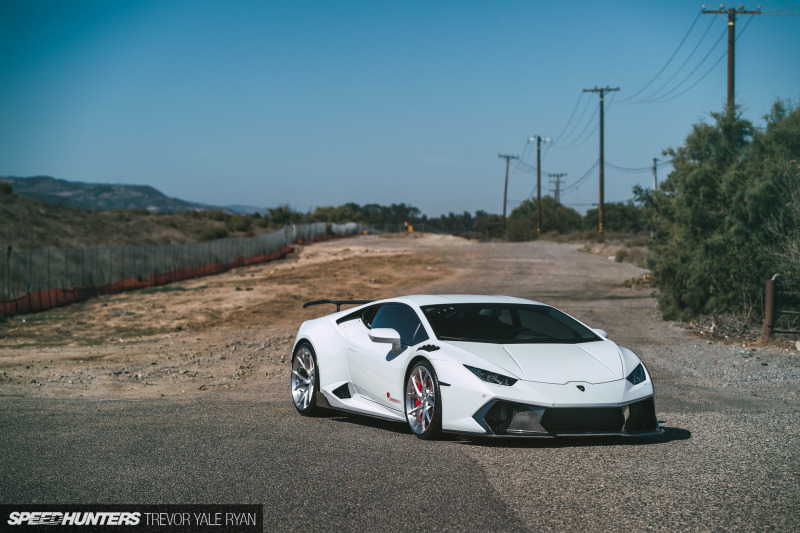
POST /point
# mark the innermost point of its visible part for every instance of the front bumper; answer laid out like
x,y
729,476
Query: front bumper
x,y
505,418
531,409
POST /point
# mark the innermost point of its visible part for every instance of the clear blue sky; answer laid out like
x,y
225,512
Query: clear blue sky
x,y
320,103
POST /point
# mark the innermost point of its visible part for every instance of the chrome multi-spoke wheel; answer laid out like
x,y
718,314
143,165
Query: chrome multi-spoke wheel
x,y
304,379
422,394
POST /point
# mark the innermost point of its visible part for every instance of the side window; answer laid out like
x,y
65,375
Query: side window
x,y
404,320
368,315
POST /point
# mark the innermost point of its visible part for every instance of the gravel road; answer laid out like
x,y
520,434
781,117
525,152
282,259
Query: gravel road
x,y
196,409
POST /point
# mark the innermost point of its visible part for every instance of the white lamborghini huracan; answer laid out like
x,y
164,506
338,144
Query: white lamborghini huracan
x,y
479,365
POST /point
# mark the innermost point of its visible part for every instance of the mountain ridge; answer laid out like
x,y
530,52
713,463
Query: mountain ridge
x,y
107,196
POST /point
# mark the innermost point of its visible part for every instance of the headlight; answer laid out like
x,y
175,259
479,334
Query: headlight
x,y
491,377
638,375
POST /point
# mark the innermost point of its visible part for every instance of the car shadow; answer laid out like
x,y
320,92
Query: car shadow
x,y
366,421
670,434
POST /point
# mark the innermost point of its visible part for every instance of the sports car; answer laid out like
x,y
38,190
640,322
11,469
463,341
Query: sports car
x,y
475,365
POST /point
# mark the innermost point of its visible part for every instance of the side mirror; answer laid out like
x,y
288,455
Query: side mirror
x,y
603,333
387,336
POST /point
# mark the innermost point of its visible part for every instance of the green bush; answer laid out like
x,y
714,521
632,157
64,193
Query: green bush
x,y
210,234
625,217
521,224
712,246
219,215
240,223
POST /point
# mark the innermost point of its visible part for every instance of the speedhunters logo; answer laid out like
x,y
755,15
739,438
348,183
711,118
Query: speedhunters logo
x,y
172,518
45,518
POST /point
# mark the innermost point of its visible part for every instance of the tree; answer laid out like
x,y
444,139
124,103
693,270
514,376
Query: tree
x,y
785,229
624,217
712,244
283,214
521,224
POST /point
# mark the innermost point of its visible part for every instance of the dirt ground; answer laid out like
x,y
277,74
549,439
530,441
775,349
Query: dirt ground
x,y
235,330
228,331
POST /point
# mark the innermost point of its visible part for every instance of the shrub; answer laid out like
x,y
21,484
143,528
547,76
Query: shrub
x,y
712,244
210,234
522,222
240,223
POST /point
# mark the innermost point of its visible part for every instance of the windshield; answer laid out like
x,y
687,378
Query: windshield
x,y
506,324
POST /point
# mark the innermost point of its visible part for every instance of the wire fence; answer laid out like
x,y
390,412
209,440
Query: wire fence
x,y
35,280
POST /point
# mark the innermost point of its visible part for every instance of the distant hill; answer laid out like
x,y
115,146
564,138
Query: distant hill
x,y
99,196
28,223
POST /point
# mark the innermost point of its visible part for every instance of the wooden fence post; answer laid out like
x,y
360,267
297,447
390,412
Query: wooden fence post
x,y
769,308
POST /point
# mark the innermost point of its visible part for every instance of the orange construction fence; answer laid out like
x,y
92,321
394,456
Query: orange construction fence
x,y
47,299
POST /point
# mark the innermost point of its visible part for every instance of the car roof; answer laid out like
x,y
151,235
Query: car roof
x,y
444,299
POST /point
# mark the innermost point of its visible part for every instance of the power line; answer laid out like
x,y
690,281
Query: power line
x,y
774,11
571,116
716,63
587,133
692,86
580,180
528,168
680,45
637,170
583,135
663,98
657,95
566,137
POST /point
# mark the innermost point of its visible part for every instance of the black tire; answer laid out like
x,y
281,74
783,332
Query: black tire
x,y
423,412
304,379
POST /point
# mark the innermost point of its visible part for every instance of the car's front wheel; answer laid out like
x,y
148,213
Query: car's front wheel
x,y
423,401
304,379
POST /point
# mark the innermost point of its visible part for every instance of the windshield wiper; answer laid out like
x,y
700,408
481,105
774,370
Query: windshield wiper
x,y
463,339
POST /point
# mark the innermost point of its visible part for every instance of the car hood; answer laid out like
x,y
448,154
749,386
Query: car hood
x,y
590,362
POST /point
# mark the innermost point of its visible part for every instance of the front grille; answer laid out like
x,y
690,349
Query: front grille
x,y
583,420
498,415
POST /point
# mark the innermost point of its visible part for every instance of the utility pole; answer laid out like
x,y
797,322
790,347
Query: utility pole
x,y
557,177
732,12
602,91
655,173
508,158
539,140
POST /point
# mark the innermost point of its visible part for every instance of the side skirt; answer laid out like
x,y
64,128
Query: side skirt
x,y
357,405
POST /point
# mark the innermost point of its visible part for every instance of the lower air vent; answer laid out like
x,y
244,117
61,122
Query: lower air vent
x,y
342,392
640,416
583,420
502,417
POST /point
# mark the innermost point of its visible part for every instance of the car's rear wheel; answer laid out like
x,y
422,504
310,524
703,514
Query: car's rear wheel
x,y
423,401
305,384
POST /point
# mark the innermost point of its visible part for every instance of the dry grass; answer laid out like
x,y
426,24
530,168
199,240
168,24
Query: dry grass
x,y
26,223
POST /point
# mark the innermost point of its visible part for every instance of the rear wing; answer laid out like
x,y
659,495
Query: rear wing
x,y
337,303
